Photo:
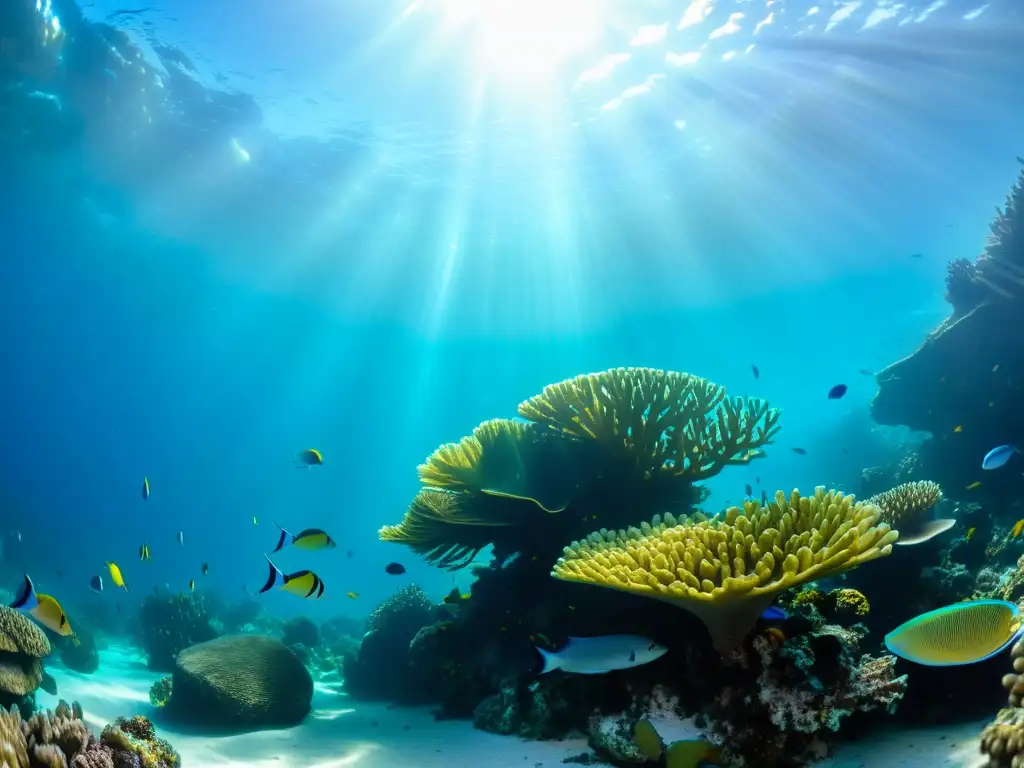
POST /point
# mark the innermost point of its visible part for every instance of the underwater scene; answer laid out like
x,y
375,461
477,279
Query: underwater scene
x,y
489,383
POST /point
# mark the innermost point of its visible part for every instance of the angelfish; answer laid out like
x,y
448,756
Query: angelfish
x,y
598,655
305,584
43,608
310,538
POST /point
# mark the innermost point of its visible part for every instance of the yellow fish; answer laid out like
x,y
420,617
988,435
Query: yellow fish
x,y
145,488
43,608
115,575
352,595
144,552
309,539
310,457
1017,528
687,753
975,484
305,584
958,428
970,534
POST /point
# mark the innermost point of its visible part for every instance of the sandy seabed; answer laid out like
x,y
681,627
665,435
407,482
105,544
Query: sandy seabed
x,y
340,732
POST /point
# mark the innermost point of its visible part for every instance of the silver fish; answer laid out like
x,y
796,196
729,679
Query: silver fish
x,y
598,655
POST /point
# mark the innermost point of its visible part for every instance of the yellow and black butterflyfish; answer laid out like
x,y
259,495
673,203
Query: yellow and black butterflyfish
x,y
305,584
309,539
43,608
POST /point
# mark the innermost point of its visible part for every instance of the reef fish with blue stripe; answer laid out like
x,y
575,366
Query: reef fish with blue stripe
x,y
962,633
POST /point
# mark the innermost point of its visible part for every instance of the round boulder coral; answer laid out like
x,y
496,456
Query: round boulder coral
x,y
22,645
240,681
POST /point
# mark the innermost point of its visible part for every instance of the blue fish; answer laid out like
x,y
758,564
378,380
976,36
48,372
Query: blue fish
x,y
96,584
837,392
997,457
598,655
774,613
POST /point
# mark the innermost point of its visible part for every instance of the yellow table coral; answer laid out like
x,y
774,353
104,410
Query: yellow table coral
x,y
727,571
601,449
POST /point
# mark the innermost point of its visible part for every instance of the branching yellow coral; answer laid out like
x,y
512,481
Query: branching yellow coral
x,y
662,420
727,571
908,507
607,448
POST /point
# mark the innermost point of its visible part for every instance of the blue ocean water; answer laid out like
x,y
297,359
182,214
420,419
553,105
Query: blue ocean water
x,y
232,231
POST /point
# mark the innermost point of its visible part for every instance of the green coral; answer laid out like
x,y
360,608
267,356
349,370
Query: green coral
x,y
160,691
137,736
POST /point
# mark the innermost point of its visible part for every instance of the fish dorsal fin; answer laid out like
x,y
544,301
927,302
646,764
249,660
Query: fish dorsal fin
x,y
924,531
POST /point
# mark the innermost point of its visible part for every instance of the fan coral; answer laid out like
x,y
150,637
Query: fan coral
x,y
907,508
728,571
614,445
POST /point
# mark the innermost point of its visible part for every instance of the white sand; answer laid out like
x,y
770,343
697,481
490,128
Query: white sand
x,y
341,733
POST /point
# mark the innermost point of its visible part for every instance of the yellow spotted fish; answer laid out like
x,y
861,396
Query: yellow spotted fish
x,y
43,608
305,584
687,753
962,633
115,576
309,539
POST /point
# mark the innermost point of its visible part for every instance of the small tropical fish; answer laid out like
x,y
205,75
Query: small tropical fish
x,y
17,535
764,499
970,533
305,584
974,485
1017,528
958,428
774,613
800,451
997,457
922,532
757,373
962,633
748,489
43,608
192,585
96,584
48,684
866,372
115,575
686,753
205,569
352,595
837,392
916,255
145,488
309,539
995,367
598,655
395,569
181,538
255,521
310,457
775,635
757,480
143,552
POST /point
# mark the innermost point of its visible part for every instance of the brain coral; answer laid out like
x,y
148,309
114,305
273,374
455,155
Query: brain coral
x,y
241,681
22,645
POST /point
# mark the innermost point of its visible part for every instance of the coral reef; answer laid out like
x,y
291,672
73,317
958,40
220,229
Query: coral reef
x,y
160,692
1002,741
171,623
22,647
380,669
61,739
240,682
728,571
603,449
300,631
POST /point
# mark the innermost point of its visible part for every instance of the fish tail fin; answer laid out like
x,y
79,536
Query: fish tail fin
x,y
272,577
549,661
283,539
26,595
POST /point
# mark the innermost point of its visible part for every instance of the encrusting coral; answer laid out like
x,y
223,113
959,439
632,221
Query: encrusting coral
x,y
907,508
727,571
604,448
